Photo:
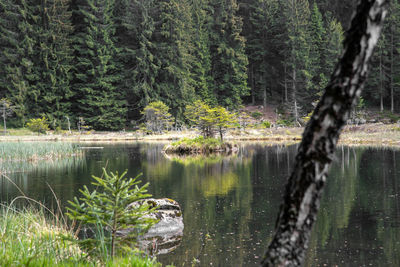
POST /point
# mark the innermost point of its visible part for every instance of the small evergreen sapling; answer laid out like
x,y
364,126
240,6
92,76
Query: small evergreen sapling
x,y
108,209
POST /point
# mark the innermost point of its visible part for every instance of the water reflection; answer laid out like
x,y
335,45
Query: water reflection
x,y
230,202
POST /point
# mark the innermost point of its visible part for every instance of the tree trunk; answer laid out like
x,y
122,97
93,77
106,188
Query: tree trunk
x,y
381,79
316,151
391,68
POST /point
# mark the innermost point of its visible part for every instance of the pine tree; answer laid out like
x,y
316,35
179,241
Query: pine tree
x,y
229,61
97,99
317,54
172,37
263,48
51,92
201,66
138,64
297,15
17,46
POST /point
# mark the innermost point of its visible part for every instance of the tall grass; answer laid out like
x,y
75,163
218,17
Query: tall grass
x,y
31,151
29,237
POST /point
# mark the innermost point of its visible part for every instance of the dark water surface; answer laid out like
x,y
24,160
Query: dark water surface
x,y
230,203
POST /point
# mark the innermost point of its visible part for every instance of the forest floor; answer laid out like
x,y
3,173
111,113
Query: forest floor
x,y
376,134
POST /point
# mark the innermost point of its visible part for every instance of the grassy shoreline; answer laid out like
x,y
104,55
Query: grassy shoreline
x,y
31,238
366,134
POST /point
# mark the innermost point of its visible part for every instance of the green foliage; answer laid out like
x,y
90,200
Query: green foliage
x,y
198,141
244,120
39,125
266,124
228,58
210,120
157,117
96,72
283,122
30,237
31,151
111,207
256,115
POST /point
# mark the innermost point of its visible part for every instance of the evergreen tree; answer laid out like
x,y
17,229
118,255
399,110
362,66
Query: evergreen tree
x,y
299,62
229,61
201,66
317,53
17,45
50,93
97,99
138,64
172,36
263,48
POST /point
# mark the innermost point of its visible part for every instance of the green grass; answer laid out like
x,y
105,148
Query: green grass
x,y
31,151
198,145
199,141
17,131
29,238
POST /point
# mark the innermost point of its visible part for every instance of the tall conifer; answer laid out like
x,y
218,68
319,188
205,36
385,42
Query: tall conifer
x,y
97,100
229,61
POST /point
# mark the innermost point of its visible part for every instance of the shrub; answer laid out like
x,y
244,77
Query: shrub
x,y
108,210
256,115
266,124
286,123
39,125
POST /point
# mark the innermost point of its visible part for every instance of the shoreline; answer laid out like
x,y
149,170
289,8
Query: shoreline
x,y
377,134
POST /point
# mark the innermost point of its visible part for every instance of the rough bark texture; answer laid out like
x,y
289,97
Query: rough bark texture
x,y
303,191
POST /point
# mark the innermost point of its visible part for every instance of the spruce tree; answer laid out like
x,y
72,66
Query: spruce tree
x,y
137,62
51,92
229,61
17,45
263,48
317,54
97,99
297,14
201,67
172,37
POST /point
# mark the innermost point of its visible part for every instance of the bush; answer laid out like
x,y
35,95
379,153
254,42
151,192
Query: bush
x,y
266,124
286,123
39,125
256,115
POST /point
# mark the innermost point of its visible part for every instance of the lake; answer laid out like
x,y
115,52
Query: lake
x,y
230,203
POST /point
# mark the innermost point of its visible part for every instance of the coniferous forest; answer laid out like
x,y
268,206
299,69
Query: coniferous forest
x,y
103,61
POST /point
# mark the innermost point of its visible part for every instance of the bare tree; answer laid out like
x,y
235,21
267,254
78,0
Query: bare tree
x,y
303,190
6,109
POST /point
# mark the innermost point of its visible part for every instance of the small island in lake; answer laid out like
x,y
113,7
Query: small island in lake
x,y
200,145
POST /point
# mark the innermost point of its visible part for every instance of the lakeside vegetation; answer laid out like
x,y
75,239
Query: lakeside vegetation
x,y
42,237
34,151
31,238
199,145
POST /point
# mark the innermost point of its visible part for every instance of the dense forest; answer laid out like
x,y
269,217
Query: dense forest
x,y
103,61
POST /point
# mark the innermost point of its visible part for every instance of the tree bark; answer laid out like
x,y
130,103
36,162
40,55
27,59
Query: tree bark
x,y
304,188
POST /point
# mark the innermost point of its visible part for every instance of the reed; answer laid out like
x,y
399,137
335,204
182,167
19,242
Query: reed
x,y
33,151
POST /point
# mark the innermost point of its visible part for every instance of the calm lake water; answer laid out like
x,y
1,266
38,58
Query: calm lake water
x,y
230,203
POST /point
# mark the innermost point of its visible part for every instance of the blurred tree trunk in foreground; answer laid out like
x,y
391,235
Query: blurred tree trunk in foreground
x,y
303,190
